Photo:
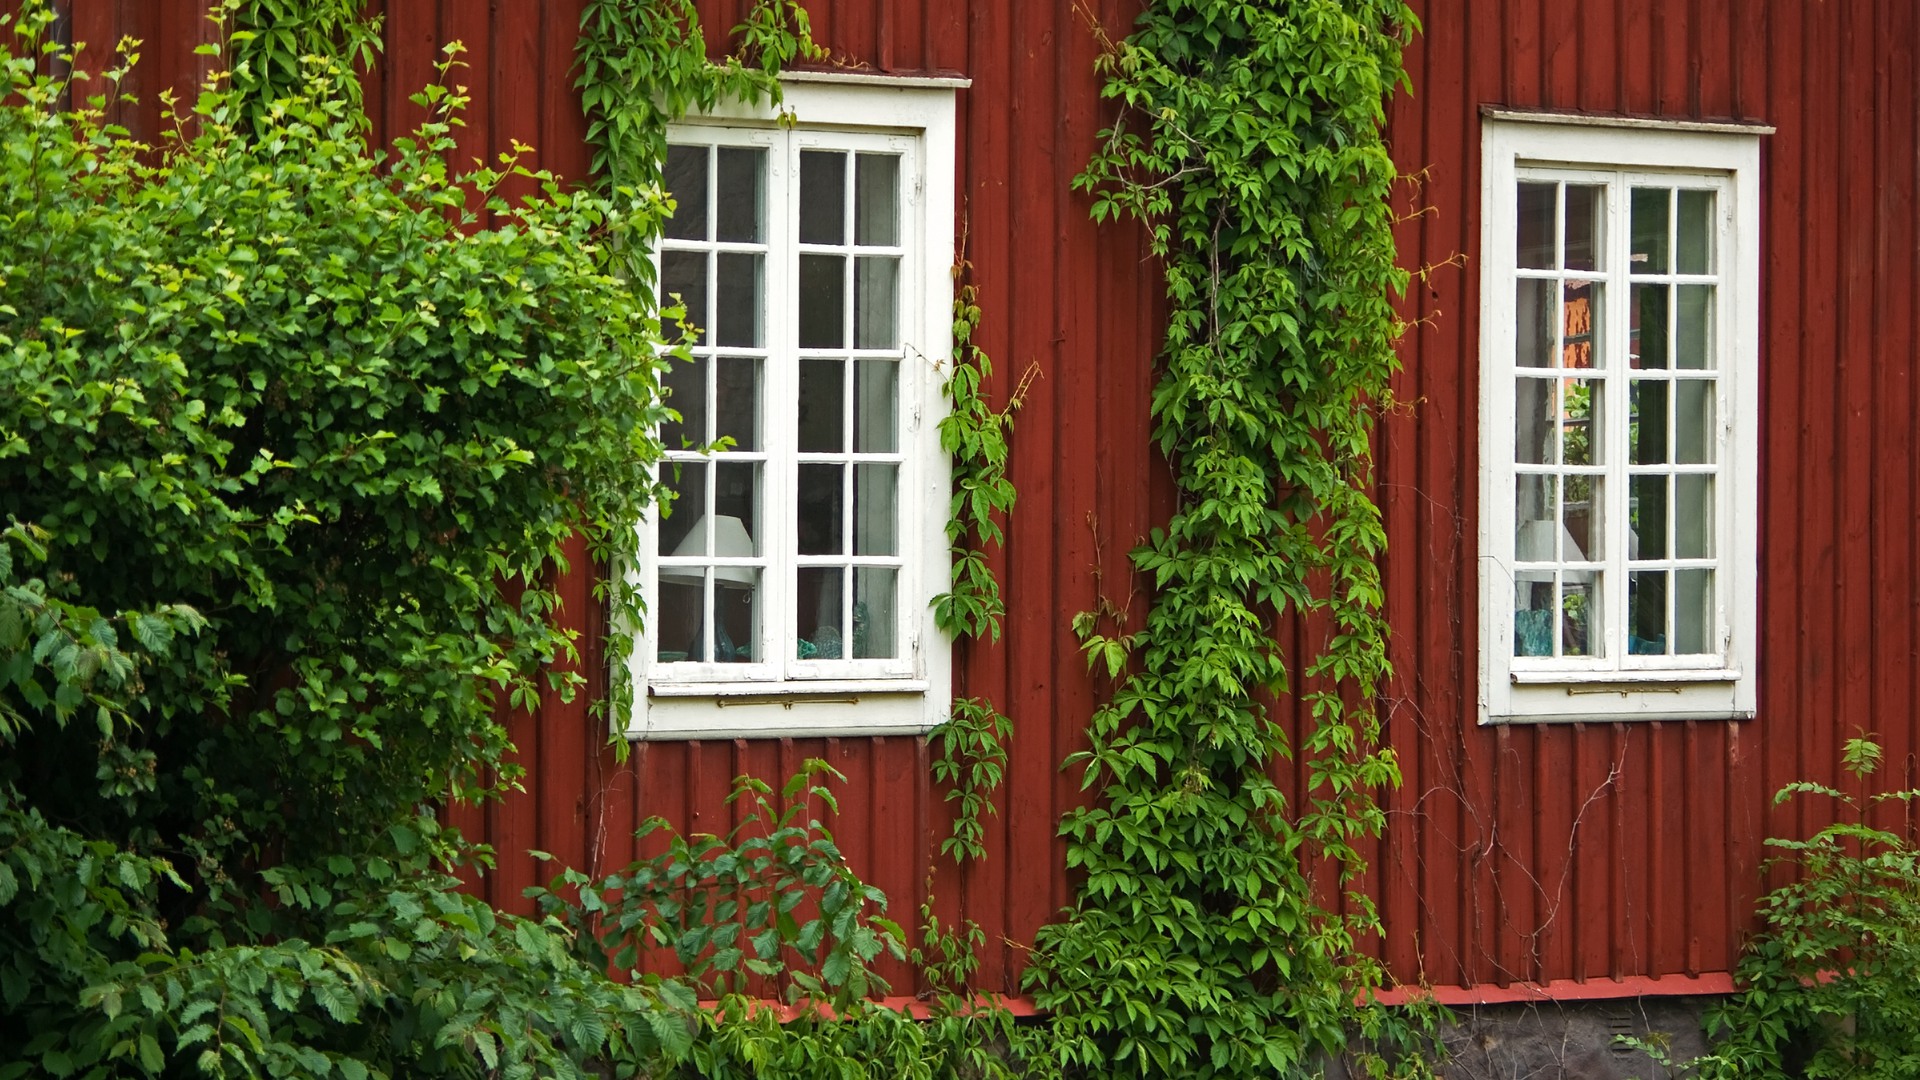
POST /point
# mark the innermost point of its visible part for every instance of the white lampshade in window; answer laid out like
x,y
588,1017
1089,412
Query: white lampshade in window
x,y
730,541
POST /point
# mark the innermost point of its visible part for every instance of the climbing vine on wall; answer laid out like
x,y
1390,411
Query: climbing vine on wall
x,y
1214,933
970,749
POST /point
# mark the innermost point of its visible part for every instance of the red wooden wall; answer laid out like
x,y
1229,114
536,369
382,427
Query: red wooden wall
x,y
1598,858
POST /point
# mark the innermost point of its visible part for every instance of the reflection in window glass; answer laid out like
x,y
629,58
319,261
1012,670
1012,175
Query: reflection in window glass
x,y
742,211
876,401
1586,215
1650,228
822,406
1695,228
1533,427
686,180
876,284
823,302
1693,612
1534,311
876,200
873,613
737,315
1647,617
1534,240
819,513
686,386
823,197
737,401
819,613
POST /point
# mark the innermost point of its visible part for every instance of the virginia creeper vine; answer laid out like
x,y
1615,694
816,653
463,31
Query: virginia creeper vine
x,y
1207,940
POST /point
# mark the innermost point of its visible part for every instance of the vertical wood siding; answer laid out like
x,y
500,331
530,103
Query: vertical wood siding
x,y
1515,854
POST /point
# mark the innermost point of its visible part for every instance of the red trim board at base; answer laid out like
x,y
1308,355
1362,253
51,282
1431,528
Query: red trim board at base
x,y
1710,982
918,1008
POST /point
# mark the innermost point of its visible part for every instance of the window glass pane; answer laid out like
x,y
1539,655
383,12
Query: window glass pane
x,y
823,197
1535,508
736,613
684,274
686,178
873,613
1586,212
875,498
1647,620
1647,517
1534,238
1693,326
736,316
1581,344
1533,433
1693,421
1693,516
1534,313
818,613
742,216
823,407
1649,230
737,401
1533,614
1582,425
1582,520
1648,319
736,508
820,498
1579,614
1693,615
876,403
686,385
677,627
1647,422
876,282
1696,233
686,482
875,200
823,302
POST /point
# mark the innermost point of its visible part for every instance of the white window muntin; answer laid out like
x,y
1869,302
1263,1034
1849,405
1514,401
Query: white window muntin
x,y
779,693
1616,378
779,560
1620,154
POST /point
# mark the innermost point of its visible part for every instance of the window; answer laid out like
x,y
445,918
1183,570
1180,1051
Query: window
x,y
789,586
1619,419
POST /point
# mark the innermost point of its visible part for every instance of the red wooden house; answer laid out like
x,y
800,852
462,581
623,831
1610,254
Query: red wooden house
x,y
1651,512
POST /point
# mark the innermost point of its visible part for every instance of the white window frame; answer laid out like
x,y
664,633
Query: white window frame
x,y
914,117
1622,151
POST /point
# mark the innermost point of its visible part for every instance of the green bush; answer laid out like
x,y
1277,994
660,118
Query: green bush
x,y
287,445
1831,986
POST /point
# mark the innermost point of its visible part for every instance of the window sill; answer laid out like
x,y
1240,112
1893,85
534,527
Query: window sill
x,y
1614,681
745,710
785,691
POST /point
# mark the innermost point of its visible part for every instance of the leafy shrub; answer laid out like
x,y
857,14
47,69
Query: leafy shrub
x,y
1831,987
286,448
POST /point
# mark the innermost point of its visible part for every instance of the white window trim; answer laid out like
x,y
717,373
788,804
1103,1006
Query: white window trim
x,y
914,695
1676,688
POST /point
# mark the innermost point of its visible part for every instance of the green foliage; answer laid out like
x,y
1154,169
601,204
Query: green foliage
x,y
869,1041
269,43
286,453
1831,986
970,748
1208,939
644,65
970,758
772,900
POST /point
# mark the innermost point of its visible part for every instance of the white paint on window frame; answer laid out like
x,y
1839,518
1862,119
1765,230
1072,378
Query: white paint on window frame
x,y
1622,687
916,118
